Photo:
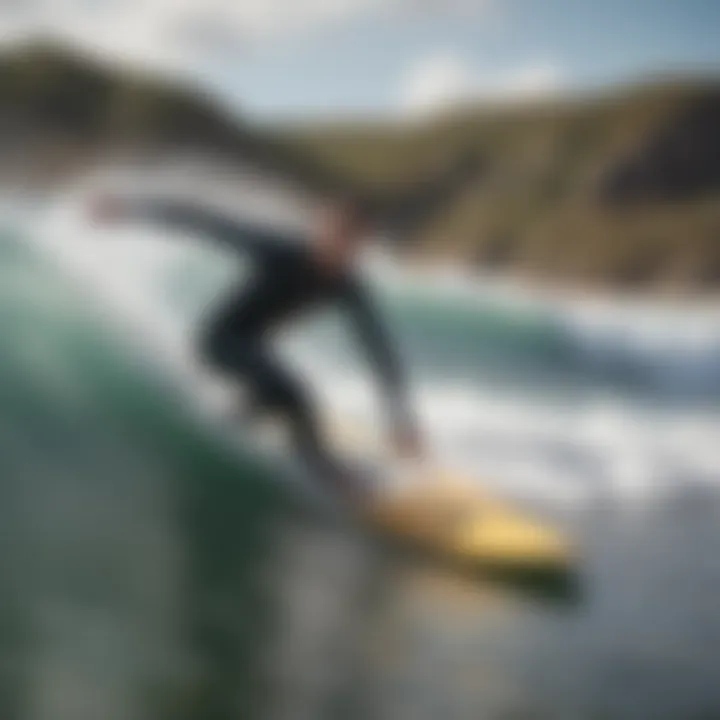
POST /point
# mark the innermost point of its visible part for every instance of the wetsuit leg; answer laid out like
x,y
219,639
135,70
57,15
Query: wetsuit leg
x,y
273,388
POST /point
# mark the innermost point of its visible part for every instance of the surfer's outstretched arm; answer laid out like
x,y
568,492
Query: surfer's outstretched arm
x,y
374,337
193,217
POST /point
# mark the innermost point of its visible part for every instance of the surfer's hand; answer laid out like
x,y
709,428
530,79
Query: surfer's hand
x,y
107,209
407,443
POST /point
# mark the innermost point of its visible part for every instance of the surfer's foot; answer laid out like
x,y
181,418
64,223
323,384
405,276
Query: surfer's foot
x,y
354,486
246,410
340,480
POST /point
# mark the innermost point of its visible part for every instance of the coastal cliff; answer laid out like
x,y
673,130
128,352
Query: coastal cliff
x,y
620,189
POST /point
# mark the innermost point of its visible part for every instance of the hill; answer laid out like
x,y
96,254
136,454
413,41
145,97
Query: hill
x,y
60,109
619,189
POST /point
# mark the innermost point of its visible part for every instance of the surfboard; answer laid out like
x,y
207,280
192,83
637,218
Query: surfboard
x,y
440,511
451,514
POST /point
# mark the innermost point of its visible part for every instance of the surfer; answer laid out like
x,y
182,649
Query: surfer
x,y
292,274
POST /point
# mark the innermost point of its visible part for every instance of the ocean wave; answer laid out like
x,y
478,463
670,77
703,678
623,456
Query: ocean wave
x,y
552,399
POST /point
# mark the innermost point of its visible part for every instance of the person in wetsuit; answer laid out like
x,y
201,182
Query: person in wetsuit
x,y
291,275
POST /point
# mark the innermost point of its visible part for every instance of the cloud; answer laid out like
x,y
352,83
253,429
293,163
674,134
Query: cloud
x,y
171,32
177,33
436,81
444,79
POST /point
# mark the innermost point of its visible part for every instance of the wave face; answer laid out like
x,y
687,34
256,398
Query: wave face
x,y
556,399
154,570
128,531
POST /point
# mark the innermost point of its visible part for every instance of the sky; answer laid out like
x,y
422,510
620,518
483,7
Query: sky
x,y
309,58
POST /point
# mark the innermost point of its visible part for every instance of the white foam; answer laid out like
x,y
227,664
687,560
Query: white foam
x,y
564,451
569,453
675,343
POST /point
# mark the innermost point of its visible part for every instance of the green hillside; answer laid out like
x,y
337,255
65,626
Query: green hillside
x,y
61,109
622,189
618,189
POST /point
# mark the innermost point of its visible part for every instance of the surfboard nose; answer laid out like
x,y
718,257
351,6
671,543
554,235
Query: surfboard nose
x,y
503,538
475,530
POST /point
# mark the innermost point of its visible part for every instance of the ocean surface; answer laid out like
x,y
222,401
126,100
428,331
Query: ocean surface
x,y
153,569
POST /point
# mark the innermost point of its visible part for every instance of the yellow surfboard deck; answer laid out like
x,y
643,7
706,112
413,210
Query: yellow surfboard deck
x,y
452,515
449,516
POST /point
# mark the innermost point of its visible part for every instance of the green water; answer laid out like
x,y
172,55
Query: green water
x,y
134,546
148,571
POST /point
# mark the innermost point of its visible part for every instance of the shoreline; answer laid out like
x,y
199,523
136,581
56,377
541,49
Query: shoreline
x,y
551,290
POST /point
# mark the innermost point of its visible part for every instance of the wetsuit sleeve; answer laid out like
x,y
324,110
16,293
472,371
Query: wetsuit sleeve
x,y
374,337
259,243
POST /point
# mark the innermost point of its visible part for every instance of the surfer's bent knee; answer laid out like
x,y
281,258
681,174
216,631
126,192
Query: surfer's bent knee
x,y
217,349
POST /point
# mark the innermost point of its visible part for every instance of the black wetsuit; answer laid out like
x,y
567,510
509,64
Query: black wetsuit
x,y
286,281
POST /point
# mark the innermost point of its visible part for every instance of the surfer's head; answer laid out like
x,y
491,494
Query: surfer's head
x,y
344,225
